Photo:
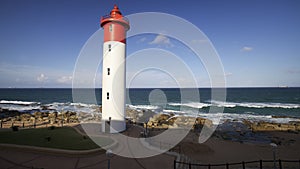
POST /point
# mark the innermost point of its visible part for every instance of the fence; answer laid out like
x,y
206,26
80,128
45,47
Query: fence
x,y
243,164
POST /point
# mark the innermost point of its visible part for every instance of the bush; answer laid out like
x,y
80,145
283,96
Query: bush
x,y
15,128
48,139
51,127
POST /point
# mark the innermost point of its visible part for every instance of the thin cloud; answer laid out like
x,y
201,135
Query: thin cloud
x,y
65,79
143,39
162,40
12,75
247,49
41,78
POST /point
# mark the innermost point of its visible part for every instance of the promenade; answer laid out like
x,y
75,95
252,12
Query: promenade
x,y
21,157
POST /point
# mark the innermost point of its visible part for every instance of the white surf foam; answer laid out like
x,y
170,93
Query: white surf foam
x,y
223,104
256,105
18,102
20,107
196,105
219,118
74,107
147,107
173,111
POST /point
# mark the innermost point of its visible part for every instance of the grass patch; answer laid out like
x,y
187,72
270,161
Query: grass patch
x,y
61,138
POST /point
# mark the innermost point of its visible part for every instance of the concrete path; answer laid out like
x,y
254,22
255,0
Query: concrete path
x,y
18,159
21,158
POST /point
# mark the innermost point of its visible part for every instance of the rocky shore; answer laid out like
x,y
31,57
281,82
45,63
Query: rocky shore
x,y
270,126
10,118
173,121
148,118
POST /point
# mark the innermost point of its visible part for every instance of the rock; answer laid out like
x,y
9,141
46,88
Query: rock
x,y
197,123
25,117
172,121
158,120
204,121
37,114
296,125
45,119
139,116
52,115
164,126
32,119
17,118
269,126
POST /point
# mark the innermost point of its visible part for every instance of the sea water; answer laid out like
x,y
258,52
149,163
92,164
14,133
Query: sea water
x,y
280,105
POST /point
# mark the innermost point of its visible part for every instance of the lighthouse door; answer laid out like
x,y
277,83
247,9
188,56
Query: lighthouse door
x,y
107,125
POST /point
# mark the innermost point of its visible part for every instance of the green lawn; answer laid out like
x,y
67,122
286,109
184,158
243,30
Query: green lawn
x,y
61,138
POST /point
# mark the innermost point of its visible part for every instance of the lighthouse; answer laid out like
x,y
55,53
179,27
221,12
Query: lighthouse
x,y
115,27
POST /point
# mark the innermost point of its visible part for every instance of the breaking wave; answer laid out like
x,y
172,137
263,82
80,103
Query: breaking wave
x,y
199,105
25,106
148,107
256,105
18,102
196,105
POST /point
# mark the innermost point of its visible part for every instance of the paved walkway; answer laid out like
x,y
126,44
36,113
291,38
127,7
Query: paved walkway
x,y
28,158
18,159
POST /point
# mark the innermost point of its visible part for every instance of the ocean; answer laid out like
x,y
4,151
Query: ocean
x,y
280,105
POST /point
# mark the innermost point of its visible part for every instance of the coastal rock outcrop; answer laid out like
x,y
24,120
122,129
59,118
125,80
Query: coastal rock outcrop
x,y
271,126
139,116
11,118
173,121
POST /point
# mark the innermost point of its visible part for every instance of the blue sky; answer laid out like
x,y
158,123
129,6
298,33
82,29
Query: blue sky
x,y
257,41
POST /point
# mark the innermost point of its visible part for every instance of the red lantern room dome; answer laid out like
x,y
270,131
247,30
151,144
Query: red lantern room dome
x,y
115,16
116,13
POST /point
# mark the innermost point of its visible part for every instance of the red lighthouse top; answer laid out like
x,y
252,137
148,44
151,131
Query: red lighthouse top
x,y
115,26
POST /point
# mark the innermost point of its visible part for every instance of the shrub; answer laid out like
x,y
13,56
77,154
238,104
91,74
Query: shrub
x,y
15,128
51,127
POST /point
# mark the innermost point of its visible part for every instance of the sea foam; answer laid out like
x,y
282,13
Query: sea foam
x,y
256,105
18,102
196,105
148,107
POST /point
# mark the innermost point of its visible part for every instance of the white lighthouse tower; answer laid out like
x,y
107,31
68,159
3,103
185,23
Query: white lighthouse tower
x,y
114,71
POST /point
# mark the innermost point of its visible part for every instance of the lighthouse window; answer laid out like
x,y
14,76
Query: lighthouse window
x,y
107,95
109,47
110,27
108,71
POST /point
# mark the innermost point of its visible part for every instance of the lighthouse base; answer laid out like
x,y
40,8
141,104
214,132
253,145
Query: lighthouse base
x,y
113,126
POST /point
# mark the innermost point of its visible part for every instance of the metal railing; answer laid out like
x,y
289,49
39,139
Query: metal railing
x,y
109,16
243,164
